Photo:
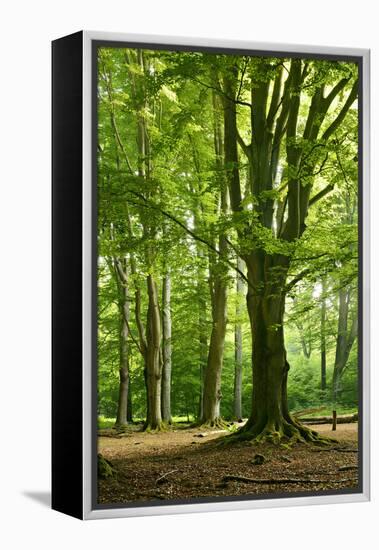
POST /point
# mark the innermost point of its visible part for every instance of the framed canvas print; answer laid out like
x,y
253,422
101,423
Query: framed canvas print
x,y
210,275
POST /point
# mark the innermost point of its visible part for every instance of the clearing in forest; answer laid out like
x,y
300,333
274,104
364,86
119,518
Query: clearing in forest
x,y
188,463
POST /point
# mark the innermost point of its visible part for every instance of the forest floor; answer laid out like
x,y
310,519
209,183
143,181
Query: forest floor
x,y
188,463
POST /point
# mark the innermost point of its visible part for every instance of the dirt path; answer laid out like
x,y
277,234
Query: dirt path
x,y
188,463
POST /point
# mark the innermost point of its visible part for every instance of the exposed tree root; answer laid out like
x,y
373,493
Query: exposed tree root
x,y
219,423
158,427
120,428
286,432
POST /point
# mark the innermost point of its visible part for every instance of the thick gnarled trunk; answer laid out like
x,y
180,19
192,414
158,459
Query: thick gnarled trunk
x,y
270,418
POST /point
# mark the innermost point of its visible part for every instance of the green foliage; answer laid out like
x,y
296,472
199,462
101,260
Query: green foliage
x,y
161,211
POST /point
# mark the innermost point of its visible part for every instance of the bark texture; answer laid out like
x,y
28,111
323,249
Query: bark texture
x,y
153,364
323,339
212,380
218,283
237,405
166,349
274,107
121,272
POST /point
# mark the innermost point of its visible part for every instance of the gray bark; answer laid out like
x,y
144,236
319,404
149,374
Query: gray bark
x,y
323,339
121,274
218,291
203,340
238,346
212,380
166,349
153,363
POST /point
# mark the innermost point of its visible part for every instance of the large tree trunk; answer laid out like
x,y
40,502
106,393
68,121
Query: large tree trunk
x,y
153,361
270,418
166,349
274,125
237,405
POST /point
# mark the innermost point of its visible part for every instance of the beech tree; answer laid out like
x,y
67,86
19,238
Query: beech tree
x,y
286,137
238,347
121,275
166,349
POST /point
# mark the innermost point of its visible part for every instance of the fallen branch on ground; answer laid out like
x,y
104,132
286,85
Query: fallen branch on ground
x,y
303,412
337,450
162,478
343,419
243,479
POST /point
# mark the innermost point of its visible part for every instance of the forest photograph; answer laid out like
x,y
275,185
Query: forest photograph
x,y
228,259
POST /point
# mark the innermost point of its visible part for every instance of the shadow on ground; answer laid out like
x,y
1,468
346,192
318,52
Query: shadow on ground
x,y
41,497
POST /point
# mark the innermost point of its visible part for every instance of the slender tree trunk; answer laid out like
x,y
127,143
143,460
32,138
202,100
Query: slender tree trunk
x,y
121,274
166,349
306,343
323,339
345,340
212,380
129,412
237,408
203,345
151,345
201,288
218,290
153,358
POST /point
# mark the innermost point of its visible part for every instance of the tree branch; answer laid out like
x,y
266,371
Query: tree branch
x,y
171,217
321,194
245,148
341,115
297,279
221,91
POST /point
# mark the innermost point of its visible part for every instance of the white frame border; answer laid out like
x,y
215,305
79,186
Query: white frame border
x,y
88,511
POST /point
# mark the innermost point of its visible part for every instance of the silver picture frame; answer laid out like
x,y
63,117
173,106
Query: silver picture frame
x,y
89,508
